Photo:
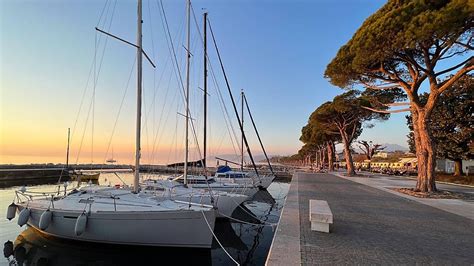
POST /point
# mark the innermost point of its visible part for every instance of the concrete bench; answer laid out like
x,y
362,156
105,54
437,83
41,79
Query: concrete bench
x,y
320,215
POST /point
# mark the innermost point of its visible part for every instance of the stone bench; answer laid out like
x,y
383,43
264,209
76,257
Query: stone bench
x,y
320,215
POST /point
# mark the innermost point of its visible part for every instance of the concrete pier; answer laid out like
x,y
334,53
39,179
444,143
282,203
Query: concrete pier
x,y
285,249
371,226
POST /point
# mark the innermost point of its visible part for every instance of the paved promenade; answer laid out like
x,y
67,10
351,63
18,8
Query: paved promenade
x,y
383,182
372,226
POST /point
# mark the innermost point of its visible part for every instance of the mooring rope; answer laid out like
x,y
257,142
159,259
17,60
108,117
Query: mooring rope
x,y
253,216
219,242
263,223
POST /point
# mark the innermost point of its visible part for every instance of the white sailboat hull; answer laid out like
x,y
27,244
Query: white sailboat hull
x,y
202,182
227,205
171,228
249,191
263,182
225,202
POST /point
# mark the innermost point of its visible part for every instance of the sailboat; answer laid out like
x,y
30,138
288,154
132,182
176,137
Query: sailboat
x,y
225,201
203,181
118,215
111,160
227,174
81,176
225,179
241,177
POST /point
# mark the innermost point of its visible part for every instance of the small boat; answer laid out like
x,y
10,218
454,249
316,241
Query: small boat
x,y
111,160
85,177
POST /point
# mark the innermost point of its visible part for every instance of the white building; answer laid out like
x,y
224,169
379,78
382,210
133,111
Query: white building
x,y
381,154
447,166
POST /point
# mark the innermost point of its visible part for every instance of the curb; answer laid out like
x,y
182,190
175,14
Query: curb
x,y
412,178
285,249
447,183
435,203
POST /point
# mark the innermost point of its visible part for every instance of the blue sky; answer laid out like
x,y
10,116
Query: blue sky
x,y
276,51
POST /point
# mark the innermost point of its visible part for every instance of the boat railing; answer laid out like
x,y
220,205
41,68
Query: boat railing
x,y
23,194
194,204
28,196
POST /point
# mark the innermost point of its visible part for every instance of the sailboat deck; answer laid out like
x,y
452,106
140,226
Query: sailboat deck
x,y
100,199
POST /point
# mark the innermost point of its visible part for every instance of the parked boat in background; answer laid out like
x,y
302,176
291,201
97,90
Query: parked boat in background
x,y
226,202
203,182
85,177
226,174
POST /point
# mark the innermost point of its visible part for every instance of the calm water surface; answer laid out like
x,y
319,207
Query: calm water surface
x,y
246,243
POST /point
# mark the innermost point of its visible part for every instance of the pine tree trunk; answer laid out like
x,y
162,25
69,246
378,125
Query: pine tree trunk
x,y
424,152
457,167
347,154
330,156
323,161
318,160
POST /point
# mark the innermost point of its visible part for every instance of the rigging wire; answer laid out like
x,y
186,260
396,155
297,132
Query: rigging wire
x,y
233,103
102,12
244,99
98,73
88,76
173,141
180,79
119,110
159,133
92,67
227,119
95,84
186,97
152,107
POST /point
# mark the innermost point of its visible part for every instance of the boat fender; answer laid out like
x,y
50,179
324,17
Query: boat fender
x,y
11,211
81,223
8,249
20,255
45,219
24,216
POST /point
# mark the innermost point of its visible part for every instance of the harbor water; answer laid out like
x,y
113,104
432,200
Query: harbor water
x,y
246,238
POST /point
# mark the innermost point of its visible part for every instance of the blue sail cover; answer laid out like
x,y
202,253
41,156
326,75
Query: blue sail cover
x,y
223,169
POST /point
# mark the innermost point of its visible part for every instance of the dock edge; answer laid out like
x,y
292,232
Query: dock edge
x,y
285,248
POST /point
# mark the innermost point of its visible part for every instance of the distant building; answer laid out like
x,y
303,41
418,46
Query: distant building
x,y
381,154
447,166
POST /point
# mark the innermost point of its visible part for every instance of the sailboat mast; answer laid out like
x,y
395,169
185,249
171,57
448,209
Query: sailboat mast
x,y
242,132
139,97
188,46
258,135
205,89
67,154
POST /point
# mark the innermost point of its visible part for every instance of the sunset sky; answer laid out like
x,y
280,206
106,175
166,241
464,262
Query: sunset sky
x,y
276,51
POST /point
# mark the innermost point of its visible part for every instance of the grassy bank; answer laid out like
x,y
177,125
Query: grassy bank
x,y
465,180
